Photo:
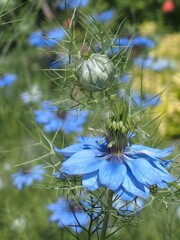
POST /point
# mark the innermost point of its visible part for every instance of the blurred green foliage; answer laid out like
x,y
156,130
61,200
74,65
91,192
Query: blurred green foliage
x,y
139,11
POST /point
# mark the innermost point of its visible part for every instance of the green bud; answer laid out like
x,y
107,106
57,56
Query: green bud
x,y
96,72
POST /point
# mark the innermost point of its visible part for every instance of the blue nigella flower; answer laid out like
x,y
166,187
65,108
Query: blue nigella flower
x,y
113,51
67,213
7,80
72,4
59,62
126,78
55,119
143,63
104,16
137,41
26,178
161,64
153,64
142,41
130,174
46,39
123,41
119,44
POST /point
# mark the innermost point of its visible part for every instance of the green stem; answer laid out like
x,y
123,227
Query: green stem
x,y
106,217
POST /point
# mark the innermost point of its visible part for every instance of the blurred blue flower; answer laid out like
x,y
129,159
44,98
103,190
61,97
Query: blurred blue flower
x,y
119,44
26,178
7,80
46,39
59,62
122,41
126,78
142,41
160,64
113,50
130,174
71,4
128,207
143,63
104,16
137,41
145,100
55,119
152,63
68,214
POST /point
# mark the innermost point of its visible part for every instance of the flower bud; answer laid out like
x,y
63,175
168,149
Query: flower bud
x,y
96,72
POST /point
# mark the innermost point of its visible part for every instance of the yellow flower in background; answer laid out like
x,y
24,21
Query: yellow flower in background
x,y
168,83
168,47
148,28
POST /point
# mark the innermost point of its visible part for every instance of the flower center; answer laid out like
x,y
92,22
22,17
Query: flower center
x,y
62,114
117,131
73,206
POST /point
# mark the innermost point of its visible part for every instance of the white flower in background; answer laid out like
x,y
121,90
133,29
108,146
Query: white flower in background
x,y
7,166
31,96
18,224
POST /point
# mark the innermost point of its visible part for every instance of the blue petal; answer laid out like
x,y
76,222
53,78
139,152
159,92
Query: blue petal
x,y
92,141
53,126
159,153
165,176
82,162
157,167
125,195
74,121
151,159
132,185
165,163
143,171
69,151
91,181
162,185
112,173
82,218
76,229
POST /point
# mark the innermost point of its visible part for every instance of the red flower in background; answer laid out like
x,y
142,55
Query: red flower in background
x,y
168,6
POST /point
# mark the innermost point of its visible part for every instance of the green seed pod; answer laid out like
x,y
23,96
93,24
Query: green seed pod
x,y
96,72
118,126
114,125
124,130
121,124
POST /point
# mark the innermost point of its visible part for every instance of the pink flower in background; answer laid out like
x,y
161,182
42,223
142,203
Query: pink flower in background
x,y
168,6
